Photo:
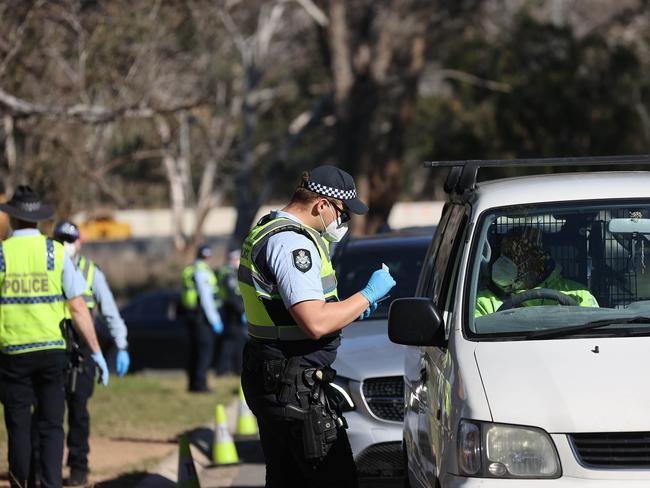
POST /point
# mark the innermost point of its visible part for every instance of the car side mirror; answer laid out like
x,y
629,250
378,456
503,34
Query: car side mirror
x,y
415,322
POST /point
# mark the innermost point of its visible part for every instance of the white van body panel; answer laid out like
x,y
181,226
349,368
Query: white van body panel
x,y
563,386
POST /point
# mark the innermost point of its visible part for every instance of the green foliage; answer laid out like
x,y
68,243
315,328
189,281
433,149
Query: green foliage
x,y
561,96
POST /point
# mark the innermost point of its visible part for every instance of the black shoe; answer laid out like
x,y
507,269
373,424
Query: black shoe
x,y
201,390
77,478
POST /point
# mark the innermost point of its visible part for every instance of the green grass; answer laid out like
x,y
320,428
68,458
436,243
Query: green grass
x,y
155,407
148,407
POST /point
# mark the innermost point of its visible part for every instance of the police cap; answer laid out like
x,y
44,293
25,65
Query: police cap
x,y
66,231
333,182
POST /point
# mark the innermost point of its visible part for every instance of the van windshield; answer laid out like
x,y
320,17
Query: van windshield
x,y
544,271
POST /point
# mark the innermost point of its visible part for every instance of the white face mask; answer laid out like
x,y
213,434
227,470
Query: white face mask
x,y
70,249
504,273
335,231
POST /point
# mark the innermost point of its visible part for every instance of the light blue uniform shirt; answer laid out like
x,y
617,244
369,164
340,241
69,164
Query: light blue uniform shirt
x,y
206,295
108,308
294,285
74,283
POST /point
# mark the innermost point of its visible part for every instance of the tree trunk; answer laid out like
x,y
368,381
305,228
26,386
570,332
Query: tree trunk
x,y
175,179
10,154
386,175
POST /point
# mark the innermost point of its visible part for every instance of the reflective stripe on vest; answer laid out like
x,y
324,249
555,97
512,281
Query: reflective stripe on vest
x,y
262,301
87,268
189,294
31,294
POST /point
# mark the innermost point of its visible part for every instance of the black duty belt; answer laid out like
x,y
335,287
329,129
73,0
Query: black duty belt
x,y
280,332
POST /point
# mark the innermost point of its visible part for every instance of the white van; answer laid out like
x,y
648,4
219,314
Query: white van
x,y
529,362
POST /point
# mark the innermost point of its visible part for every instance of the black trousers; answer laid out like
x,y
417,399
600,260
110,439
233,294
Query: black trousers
x,y
35,378
78,416
201,339
281,441
229,348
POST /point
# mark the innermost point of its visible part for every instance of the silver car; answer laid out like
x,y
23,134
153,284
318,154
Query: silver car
x,y
370,369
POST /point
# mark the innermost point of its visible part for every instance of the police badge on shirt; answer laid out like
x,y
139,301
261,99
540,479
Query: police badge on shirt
x,y
302,260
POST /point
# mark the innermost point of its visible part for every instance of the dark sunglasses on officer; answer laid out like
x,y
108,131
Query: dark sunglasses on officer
x,y
345,216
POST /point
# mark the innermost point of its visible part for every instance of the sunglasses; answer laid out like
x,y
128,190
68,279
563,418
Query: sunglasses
x,y
345,216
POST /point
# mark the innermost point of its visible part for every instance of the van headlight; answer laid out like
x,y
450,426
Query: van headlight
x,y
493,450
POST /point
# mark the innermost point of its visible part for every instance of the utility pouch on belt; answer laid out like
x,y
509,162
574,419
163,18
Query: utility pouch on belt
x,y
289,381
271,373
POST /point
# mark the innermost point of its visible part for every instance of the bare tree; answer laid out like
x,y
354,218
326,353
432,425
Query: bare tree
x,y
376,55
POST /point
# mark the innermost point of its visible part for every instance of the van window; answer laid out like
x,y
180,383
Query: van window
x,y
443,258
543,267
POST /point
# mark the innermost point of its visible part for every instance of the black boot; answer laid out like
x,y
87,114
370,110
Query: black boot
x,y
77,478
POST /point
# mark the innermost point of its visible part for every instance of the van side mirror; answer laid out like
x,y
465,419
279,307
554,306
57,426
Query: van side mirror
x,y
415,322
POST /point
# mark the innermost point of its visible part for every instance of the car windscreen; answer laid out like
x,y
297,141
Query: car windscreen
x,y
547,271
404,258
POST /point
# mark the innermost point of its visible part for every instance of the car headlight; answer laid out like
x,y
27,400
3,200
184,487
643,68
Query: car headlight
x,y
341,393
506,451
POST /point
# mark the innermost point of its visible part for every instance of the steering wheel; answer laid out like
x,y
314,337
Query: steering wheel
x,y
517,300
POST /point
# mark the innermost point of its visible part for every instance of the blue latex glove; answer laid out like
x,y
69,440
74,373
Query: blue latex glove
x,y
368,311
218,326
379,285
103,367
243,318
123,363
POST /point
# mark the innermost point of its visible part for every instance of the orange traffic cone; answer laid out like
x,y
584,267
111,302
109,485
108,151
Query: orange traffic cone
x,y
223,448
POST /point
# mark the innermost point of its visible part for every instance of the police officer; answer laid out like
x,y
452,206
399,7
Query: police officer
x,y
201,316
37,278
294,319
230,345
80,384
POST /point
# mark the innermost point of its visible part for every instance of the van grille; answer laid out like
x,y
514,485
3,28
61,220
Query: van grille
x,y
385,397
613,450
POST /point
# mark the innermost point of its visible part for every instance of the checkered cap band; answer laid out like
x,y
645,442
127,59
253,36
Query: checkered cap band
x,y
331,192
29,206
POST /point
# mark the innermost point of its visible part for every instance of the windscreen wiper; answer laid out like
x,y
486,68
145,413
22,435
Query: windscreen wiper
x,y
576,329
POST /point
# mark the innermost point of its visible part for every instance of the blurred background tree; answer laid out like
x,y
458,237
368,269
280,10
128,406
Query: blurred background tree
x,y
121,104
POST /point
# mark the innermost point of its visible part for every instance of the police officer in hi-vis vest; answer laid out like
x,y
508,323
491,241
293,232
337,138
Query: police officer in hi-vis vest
x,y
201,317
294,321
80,381
37,282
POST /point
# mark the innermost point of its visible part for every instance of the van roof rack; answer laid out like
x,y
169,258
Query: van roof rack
x,y
463,173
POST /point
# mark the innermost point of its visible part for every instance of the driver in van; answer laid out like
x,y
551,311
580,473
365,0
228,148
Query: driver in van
x,y
524,264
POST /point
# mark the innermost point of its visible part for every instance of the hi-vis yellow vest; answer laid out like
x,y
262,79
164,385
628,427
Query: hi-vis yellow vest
x,y
32,304
87,268
265,311
190,294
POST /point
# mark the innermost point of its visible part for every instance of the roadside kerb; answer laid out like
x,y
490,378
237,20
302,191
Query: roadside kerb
x,y
165,473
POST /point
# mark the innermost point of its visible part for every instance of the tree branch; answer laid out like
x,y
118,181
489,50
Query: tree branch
x,y
91,114
465,77
314,12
